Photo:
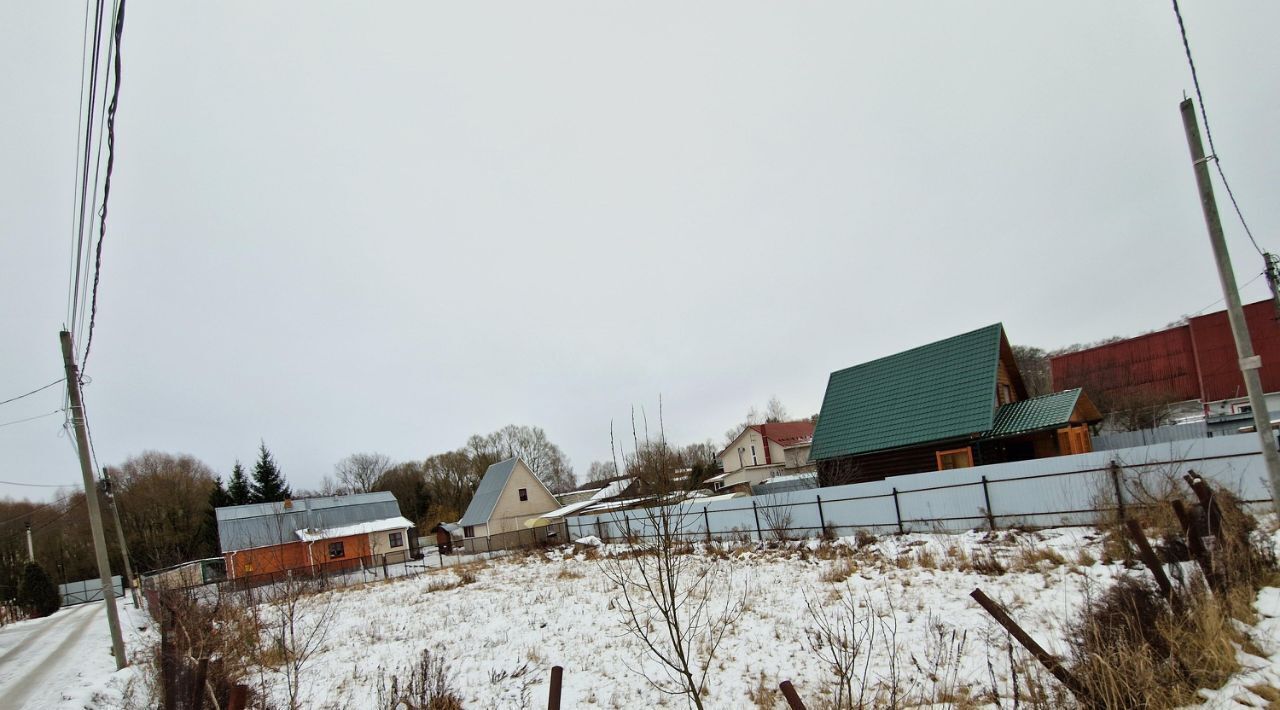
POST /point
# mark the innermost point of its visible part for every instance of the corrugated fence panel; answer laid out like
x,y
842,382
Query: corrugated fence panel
x,y
1149,437
1064,490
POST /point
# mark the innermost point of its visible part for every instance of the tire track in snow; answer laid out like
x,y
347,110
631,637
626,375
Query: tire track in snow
x,y
54,662
42,631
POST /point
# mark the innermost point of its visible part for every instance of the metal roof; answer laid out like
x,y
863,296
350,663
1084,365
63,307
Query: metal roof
x,y
241,527
943,390
1048,411
486,496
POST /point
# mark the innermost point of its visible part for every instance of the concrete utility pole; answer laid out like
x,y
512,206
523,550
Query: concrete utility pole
x,y
31,551
1249,363
91,498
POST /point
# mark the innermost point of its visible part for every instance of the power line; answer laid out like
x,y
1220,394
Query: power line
x,y
106,185
1220,300
37,485
28,394
1204,116
31,419
88,151
53,502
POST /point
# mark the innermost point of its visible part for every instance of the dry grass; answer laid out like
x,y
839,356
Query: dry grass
x,y
568,573
839,570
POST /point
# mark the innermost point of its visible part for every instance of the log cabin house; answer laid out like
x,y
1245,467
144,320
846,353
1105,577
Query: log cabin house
x,y
954,403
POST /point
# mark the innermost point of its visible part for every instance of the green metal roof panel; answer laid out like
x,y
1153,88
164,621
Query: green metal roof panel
x,y
1049,411
943,390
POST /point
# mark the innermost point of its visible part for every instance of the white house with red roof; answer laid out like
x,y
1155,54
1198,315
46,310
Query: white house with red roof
x,y
763,451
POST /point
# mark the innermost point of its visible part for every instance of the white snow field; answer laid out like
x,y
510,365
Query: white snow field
x,y
524,614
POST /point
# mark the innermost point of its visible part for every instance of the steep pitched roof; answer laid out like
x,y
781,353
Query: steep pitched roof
x,y
943,390
487,493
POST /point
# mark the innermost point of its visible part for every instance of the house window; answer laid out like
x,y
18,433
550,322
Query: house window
x,y
1006,393
524,494
954,458
336,550
395,539
469,531
248,567
753,454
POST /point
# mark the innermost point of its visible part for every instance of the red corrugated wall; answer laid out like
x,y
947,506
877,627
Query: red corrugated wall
x,y
1219,365
1194,361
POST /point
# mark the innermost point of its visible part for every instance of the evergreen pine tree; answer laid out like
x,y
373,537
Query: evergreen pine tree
x,y
238,492
268,485
218,498
37,592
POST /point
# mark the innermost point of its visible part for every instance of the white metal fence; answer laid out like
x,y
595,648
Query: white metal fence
x,y
88,590
1064,490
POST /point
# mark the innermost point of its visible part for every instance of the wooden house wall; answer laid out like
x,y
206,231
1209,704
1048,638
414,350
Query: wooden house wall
x,y
294,555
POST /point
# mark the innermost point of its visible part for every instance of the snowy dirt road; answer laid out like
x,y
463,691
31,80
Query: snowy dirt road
x,y
57,661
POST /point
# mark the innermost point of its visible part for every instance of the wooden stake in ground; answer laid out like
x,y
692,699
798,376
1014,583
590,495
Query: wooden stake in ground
x,y
1046,659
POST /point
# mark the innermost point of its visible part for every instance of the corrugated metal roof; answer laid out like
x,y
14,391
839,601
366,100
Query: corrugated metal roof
x,y
943,390
486,497
1048,411
785,484
241,527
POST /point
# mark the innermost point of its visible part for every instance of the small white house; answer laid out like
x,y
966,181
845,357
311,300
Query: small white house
x,y
508,496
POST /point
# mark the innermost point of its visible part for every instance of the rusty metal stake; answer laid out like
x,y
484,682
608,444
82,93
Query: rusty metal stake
x,y
1149,558
1046,659
239,697
793,698
557,679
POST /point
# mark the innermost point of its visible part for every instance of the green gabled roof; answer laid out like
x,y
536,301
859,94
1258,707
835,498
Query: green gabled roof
x,y
1049,411
943,390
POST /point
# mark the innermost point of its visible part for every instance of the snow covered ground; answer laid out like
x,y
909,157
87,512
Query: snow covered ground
x,y
523,614
64,660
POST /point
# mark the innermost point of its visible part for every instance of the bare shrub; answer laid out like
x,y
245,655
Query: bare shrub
x,y
679,606
843,638
777,515
426,686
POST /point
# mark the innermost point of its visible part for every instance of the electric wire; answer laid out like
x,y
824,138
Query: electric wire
x,y
88,151
1238,288
1204,116
37,485
75,197
40,389
42,506
32,419
106,185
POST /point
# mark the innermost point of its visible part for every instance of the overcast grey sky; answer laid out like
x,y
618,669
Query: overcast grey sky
x,y
346,227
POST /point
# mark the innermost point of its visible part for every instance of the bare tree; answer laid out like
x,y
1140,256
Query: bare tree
x,y
667,596
774,411
360,472
601,470
547,461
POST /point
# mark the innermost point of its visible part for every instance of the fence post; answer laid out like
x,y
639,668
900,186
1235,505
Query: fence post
x,y
986,495
1114,469
553,697
822,520
756,513
706,520
626,527
599,534
897,511
1149,558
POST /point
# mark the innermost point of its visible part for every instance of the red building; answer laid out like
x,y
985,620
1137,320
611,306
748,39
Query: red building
x,y
1196,361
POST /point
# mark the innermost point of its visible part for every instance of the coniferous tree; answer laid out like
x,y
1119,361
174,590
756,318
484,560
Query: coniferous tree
x,y
238,492
37,592
218,498
268,485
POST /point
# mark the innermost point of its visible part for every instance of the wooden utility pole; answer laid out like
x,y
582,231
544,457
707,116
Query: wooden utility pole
x,y
91,498
1249,363
124,549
